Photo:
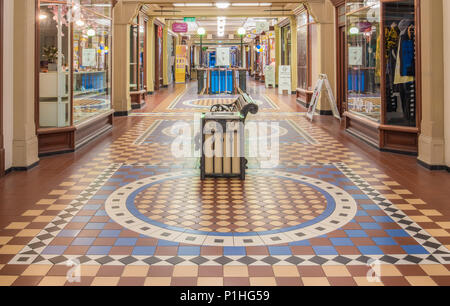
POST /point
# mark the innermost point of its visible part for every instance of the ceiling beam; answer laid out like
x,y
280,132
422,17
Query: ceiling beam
x,y
214,12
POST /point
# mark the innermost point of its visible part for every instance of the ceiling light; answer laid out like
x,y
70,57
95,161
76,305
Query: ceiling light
x,y
354,30
265,4
201,31
198,4
42,16
91,32
222,5
242,31
245,4
80,23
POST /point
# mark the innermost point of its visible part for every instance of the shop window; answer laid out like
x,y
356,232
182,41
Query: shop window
x,y
134,65
54,62
364,58
74,61
92,32
400,57
302,51
286,45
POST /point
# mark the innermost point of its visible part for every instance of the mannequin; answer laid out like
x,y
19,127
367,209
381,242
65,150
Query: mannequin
x,y
405,69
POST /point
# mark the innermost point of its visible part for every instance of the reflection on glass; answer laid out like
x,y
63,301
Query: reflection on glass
x,y
134,56
364,58
91,59
54,57
400,55
302,52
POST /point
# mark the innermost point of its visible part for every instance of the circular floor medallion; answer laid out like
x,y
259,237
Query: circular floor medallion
x,y
270,207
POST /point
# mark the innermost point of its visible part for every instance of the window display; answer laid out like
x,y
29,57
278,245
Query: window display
x,y
364,58
286,46
74,62
302,52
91,59
399,31
54,71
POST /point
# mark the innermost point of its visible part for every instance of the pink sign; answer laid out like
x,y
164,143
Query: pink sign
x,y
180,27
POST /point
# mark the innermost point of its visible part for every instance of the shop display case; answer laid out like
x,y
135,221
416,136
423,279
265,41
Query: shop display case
x,y
383,106
73,73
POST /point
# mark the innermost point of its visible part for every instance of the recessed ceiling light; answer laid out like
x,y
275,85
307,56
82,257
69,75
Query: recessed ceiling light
x,y
222,5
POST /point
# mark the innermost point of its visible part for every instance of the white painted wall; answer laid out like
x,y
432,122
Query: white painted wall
x,y
8,69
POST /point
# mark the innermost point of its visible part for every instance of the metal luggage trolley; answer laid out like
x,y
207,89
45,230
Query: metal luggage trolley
x,y
223,138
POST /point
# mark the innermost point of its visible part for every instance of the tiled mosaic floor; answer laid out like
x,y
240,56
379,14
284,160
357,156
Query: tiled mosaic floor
x,y
137,215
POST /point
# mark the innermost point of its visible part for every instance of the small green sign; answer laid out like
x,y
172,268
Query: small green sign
x,y
189,19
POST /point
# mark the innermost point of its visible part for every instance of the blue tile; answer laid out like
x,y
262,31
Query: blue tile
x,y
350,188
144,250
110,233
382,219
361,213
101,213
81,219
397,233
325,250
300,243
189,250
360,197
167,243
370,250
280,250
95,226
414,249
83,241
68,233
99,250
384,241
100,197
234,251
341,241
125,242
356,233
369,206
370,226
54,250
109,188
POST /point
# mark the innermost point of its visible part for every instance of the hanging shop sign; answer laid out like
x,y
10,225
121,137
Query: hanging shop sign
x,y
160,32
180,27
355,56
223,57
284,79
323,79
189,19
89,58
180,65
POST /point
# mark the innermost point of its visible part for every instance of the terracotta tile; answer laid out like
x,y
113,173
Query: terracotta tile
x,y
341,281
105,281
235,271
185,271
53,281
260,271
36,270
285,271
236,281
336,271
184,281
411,270
157,281
210,271
315,281
211,250
27,281
310,271
302,250
288,281
110,271
131,281
210,281
135,271
394,281
420,280
262,281
435,270
160,271
7,280
257,250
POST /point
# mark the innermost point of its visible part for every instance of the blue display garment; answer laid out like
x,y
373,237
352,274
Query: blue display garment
x,y
407,56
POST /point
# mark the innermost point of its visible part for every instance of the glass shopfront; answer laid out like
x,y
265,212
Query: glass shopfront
x,y
74,61
364,58
382,84
286,45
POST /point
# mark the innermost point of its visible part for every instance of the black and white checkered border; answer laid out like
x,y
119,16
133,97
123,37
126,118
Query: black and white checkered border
x,y
249,260
413,229
35,247
147,132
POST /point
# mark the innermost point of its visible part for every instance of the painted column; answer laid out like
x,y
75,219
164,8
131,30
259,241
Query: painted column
x,y
324,61
446,18
277,52
123,15
150,56
165,56
294,75
25,143
431,140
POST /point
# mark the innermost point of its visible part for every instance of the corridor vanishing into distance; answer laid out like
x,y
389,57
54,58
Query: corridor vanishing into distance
x,y
131,213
